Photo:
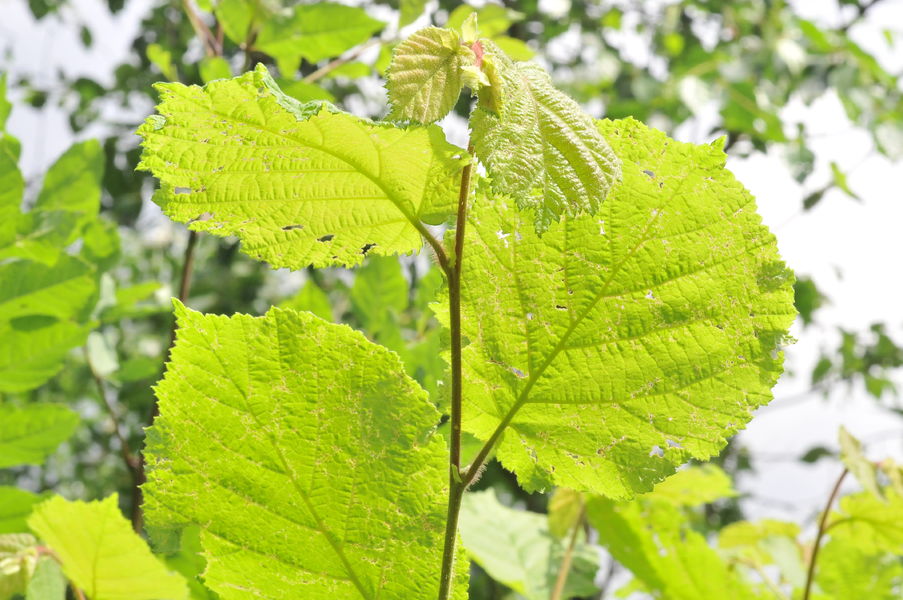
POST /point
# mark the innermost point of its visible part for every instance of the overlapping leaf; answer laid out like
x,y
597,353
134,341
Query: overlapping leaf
x,y
101,554
614,347
306,457
299,184
538,145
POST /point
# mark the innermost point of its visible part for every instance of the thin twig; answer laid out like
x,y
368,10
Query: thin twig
x,y
131,462
562,578
342,60
201,30
810,576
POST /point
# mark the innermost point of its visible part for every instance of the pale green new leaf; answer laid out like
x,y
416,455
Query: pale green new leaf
x,y
537,144
47,582
28,434
847,573
314,32
694,486
425,76
300,184
864,470
870,523
516,548
18,559
616,347
15,506
305,455
654,542
12,185
101,554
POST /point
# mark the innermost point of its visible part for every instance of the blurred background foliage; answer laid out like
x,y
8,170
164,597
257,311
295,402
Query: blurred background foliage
x,y
704,69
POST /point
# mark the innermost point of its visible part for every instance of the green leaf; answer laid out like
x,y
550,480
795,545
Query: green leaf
x,y
300,184
101,554
305,455
15,506
538,145
615,347
32,350
840,181
12,185
379,295
311,298
848,573
214,67
48,581
694,486
73,183
6,106
425,76
63,290
315,32
867,522
162,59
410,10
516,548
28,434
565,511
864,470
654,541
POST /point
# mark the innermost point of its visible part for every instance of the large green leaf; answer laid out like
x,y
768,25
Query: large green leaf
x,y
28,434
615,347
101,554
425,76
516,548
538,145
305,455
671,561
62,290
315,32
32,349
72,184
298,183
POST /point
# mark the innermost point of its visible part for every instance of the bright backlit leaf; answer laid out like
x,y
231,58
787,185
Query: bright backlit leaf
x,y
615,347
101,554
300,184
305,455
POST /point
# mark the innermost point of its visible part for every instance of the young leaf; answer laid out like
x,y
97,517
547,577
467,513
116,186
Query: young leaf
x,y
864,470
615,347
28,434
305,455
101,554
17,563
538,145
300,184
516,548
425,76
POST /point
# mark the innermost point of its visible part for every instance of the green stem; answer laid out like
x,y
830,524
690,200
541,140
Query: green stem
x,y
562,578
456,486
810,576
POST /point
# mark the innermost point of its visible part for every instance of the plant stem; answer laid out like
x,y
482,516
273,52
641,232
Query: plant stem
x,y
338,62
184,288
456,486
125,450
810,576
562,578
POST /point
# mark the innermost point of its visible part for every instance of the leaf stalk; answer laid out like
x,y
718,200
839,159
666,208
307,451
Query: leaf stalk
x,y
810,575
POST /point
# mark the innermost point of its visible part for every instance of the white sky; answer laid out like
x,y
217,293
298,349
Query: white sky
x,y
853,250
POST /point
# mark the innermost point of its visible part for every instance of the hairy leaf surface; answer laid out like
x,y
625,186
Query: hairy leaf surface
x,y
425,76
101,554
615,347
300,184
538,145
305,455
